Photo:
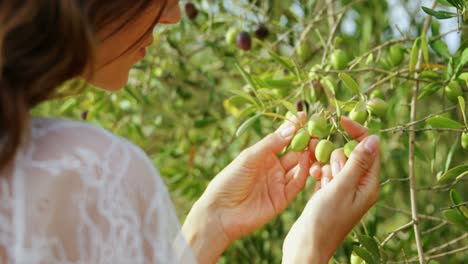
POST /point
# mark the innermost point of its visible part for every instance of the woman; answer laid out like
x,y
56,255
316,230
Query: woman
x,y
74,193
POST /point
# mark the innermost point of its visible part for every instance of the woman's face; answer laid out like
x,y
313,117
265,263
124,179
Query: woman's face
x,y
113,63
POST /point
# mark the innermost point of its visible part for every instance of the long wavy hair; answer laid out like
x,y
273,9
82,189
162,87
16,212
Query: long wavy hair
x,y
44,43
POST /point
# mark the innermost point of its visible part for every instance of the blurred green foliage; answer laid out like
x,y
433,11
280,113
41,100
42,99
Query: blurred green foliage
x,y
185,101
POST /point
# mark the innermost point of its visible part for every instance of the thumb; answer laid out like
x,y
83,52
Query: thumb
x,y
359,163
276,141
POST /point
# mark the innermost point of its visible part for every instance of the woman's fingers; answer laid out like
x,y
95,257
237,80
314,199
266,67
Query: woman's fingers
x,y
275,142
290,160
359,164
297,177
316,171
312,144
337,161
354,129
326,175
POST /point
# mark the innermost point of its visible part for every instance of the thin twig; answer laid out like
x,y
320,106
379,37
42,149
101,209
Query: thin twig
x,y
393,233
437,227
392,180
422,216
454,206
455,251
420,120
449,243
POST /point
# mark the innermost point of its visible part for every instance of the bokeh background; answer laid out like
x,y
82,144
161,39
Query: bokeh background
x,y
184,103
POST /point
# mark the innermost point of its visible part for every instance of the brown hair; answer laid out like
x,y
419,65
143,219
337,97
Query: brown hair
x,y
44,43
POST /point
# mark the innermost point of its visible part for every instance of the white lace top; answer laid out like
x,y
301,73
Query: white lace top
x,y
79,194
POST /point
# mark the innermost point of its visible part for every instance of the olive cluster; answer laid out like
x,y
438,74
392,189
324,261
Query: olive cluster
x,y
317,127
242,39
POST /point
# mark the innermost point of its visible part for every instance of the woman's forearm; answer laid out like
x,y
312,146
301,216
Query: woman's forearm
x,y
203,232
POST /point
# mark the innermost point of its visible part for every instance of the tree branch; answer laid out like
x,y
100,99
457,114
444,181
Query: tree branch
x,y
393,233
412,138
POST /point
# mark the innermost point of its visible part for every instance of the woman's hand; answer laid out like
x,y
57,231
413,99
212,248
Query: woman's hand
x,y
250,191
348,188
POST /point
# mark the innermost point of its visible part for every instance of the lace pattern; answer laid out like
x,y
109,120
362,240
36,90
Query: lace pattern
x,y
79,194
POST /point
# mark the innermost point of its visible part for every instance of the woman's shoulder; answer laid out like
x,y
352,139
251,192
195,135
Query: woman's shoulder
x,y
64,134
88,147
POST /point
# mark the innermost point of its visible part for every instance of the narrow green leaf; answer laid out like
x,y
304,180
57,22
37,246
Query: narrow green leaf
x,y
455,197
443,122
287,63
425,48
454,216
370,244
464,58
329,85
441,48
450,154
291,108
439,14
350,83
247,77
458,200
414,54
244,95
282,83
456,3
429,90
454,173
461,102
364,254
247,123
444,2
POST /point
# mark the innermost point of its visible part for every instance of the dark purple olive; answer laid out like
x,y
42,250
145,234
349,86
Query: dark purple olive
x,y
244,41
84,115
261,32
191,11
301,105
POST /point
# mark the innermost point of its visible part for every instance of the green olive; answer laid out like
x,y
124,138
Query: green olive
x,y
304,50
453,90
300,141
377,94
357,115
323,150
355,259
377,107
464,140
231,35
395,55
349,147
317,126
339,59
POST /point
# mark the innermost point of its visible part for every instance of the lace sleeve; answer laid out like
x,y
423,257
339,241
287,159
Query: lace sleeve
x,y
79,194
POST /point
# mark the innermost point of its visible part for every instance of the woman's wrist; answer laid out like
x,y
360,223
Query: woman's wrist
x,y
305,254
204,233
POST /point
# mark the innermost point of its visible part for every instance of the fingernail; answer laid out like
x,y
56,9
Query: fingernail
x,y
371,144
335,167
287,130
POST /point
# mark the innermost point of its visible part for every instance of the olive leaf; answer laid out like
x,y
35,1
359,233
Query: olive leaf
x,y
350,83
247,123
443,122
439,14
455,217
414,54
453,173
461,102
